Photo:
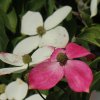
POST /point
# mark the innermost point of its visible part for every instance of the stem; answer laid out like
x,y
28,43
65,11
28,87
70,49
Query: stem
x,y
77,14
40,94
28,66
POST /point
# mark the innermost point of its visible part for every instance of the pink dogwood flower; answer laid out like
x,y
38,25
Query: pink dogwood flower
x,y
62,64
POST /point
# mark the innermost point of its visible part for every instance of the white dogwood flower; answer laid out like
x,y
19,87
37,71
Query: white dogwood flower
x,y
17,90
47,33
22,61
93,7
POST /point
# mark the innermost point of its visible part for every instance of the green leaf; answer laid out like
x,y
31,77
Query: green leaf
x,y
9,20
51,6
4,4
91,34
95,62
3,36
46,92
12,18
96,82
36,5
82,42
86,18
69,17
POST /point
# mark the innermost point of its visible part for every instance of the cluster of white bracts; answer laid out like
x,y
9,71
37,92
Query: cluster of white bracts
x,y
17,90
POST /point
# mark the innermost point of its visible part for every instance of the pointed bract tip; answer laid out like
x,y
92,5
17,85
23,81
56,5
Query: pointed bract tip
x,y
87,90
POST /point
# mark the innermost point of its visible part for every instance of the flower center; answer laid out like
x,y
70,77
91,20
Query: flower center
x,y
2,88
27,59
62,58
41,30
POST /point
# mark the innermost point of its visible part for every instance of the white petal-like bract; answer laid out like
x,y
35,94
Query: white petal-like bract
x,y
30,22
12,59
27,45
3,96
16,90
57,17
57,37
93,7
10,70
41,54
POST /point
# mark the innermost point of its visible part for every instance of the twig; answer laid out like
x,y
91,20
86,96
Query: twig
x,y
77,14
40,94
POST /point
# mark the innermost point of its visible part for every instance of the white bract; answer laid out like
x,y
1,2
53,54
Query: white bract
x,y
95,95
47,33
93,7
17,90
32,24
38,56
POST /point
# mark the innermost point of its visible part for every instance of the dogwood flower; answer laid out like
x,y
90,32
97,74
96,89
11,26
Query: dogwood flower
x,y
47,33
22,61
93,7
95,95
62,64
17,90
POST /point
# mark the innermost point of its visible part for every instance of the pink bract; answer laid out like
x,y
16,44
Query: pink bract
x,y
45,75
73,50
77,73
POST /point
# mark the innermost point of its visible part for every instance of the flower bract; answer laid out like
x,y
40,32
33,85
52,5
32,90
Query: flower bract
x,y
63,63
